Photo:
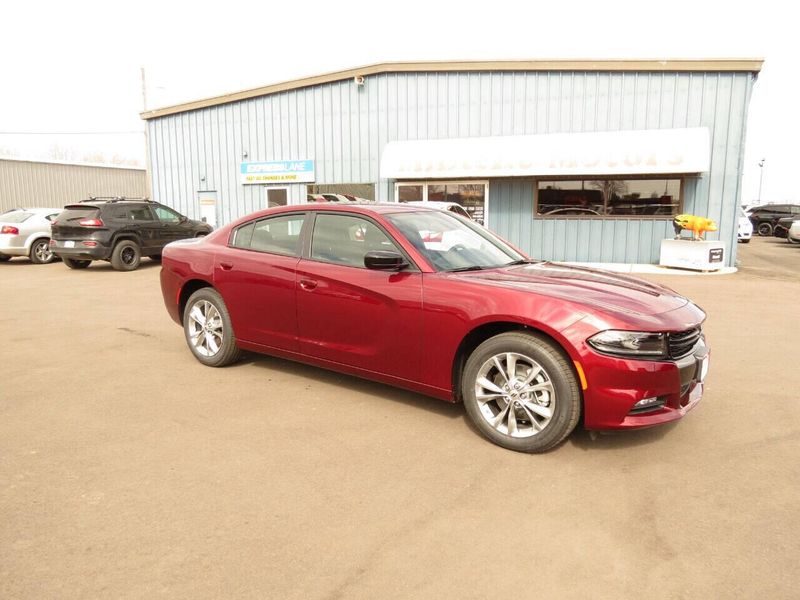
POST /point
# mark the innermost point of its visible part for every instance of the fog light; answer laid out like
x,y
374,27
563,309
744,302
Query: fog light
x,y
648,404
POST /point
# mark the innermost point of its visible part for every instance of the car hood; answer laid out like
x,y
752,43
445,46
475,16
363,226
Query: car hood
x,y
593,288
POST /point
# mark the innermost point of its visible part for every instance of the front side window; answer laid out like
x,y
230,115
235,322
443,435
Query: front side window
x,y
166,215
451,243
345,240
276,235
608,197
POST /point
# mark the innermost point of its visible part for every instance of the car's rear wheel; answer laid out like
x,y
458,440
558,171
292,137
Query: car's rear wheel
x,y
4,258
764,229
155,257
40,253
208,329
791,240
126,256
520,392
74,263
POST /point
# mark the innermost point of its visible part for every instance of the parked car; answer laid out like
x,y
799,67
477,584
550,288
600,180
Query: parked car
x,y
783,224
452,207
529,346
26,232
793,235
120,231
745,231
764,218
334,198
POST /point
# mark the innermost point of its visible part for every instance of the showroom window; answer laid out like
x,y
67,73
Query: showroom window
x,y
341,192
471,195
609,197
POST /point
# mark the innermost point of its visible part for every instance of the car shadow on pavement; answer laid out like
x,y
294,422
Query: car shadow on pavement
x,y
353,384
613,440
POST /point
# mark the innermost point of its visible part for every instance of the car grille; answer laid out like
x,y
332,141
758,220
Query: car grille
x,y
682,343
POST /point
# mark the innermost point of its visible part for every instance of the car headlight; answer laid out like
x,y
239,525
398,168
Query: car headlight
x,y
630,343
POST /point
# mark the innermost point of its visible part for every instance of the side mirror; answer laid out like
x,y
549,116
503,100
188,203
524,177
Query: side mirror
x,y
204,219
384,260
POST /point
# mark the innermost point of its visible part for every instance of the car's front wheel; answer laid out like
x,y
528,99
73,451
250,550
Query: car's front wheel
x,y
4,258
208,329
74,263
791,240
521,392
126,256
40,253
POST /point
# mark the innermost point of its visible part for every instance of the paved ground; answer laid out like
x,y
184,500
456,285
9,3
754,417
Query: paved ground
x,y
129,470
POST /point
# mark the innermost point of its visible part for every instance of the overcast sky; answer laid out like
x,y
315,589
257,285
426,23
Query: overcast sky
x,y
75,66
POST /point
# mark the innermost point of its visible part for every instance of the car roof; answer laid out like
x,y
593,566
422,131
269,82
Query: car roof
x,y
35,210
361,207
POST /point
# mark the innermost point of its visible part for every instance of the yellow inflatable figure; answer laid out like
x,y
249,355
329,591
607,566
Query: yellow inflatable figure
x,y
697,225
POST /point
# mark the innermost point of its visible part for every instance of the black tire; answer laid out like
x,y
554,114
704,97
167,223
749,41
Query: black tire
x,y
792,240
127,256
745,241
155,257
555,370
764,229
40,252
74,263
4,258
227,352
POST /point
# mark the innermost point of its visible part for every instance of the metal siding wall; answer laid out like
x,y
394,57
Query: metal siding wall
x,y
26,183
344,128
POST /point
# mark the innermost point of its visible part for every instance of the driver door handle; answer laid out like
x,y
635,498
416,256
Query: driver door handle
x,y
308,284
225,266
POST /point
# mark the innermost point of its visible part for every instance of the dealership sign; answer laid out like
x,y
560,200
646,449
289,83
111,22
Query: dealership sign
x,y
277,171
636,152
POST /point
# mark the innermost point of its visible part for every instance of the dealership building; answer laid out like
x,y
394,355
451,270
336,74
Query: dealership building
x,y
582,161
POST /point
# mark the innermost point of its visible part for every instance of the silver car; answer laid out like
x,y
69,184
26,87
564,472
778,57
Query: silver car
x,y
26,232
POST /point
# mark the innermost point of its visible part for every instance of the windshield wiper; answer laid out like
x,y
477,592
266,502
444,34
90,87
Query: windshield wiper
x,y
470,268
521,261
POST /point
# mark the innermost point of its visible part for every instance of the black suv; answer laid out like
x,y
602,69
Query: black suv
x,y
120,230
765,218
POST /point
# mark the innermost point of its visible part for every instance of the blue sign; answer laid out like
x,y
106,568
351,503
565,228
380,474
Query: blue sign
x,y
277,171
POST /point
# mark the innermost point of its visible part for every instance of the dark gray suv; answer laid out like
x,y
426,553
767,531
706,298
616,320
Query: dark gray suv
x,y
118,230
765,218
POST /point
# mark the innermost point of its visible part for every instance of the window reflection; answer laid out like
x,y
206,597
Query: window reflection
x,y
609,197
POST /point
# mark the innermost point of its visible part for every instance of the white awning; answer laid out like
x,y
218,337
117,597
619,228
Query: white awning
x,y
642,152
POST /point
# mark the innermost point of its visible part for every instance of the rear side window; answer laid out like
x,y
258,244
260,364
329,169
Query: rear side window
x,y
17,216
276,235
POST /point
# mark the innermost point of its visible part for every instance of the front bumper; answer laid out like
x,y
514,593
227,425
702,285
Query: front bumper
x,y
615,385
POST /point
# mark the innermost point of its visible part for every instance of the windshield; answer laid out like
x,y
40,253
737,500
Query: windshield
x,y
452,243
16,216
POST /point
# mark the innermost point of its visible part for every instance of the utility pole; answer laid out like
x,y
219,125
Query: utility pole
x,y
147,172
760,178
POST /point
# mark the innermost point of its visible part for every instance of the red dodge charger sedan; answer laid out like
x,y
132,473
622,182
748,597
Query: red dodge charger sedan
x,y
432,302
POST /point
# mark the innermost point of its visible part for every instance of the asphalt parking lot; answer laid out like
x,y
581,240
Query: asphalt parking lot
x,y
127,469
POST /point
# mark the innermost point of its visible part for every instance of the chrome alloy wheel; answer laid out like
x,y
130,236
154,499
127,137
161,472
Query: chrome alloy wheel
x,y
515,394
42,251
205,328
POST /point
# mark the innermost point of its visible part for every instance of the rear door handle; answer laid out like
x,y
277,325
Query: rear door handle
x,y
226,266
308,284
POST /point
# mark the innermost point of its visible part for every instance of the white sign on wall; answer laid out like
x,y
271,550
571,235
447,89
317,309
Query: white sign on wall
x,y
652,151
277,171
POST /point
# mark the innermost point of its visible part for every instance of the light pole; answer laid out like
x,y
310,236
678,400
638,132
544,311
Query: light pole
x,y
760,178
